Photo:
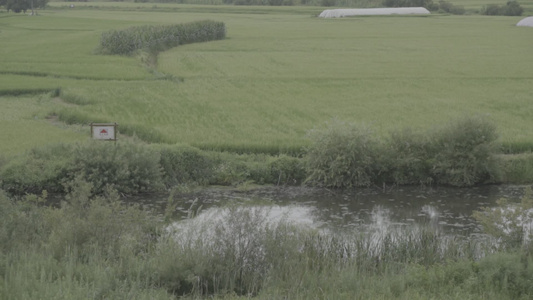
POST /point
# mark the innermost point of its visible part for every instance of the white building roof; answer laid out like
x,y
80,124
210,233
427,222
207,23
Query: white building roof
x,y
339,13
526,22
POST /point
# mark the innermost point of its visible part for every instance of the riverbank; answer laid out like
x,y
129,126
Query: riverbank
x,y
96,246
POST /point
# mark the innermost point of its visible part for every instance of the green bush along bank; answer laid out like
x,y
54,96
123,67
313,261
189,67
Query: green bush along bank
x,y
134,168
461,153
340,155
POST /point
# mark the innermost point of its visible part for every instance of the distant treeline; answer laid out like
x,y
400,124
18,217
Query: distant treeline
x,y
511,8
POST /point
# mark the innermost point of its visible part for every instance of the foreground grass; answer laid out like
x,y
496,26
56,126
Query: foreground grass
x,y
94,247
279,73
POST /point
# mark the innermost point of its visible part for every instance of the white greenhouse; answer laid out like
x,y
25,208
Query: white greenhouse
x,y
339,13
526,22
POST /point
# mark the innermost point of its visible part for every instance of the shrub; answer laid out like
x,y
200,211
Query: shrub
x,y
507,273
128,167
406,158
448,7
328,3
216,254
21,222
491,10
235,169
517,168
185,164
40,169
95,226
509,222
512,8
463,152
287,170
342,155
460,154
408,3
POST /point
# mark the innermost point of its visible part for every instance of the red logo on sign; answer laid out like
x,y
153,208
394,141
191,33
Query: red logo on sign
x,y
103,132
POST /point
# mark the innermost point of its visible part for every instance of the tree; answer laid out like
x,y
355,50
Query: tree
x,y
23,5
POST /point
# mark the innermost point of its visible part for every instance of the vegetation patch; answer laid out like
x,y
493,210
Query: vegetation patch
x,y
97,245
157,38
511,8
27,91
347,155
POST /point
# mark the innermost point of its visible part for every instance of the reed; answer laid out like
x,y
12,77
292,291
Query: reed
x,y
95,245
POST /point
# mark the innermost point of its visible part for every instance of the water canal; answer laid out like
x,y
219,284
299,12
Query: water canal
x,y
447,209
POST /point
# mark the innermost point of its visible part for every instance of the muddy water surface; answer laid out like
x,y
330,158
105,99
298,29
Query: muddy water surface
x,y
449,209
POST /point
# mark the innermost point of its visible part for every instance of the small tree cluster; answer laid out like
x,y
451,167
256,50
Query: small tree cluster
x,y
346,155
408,3
159,38
442,5
512,8
18,6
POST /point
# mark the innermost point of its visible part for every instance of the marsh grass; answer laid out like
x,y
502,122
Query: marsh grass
x,y
97,246
517,168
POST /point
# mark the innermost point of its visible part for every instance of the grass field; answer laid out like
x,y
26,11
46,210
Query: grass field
x,y
280,72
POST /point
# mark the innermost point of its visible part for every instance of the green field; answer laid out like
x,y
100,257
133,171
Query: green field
x,y
280,72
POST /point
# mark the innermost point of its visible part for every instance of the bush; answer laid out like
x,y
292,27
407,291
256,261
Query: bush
x,y
448,7
21,222
96,225
407,158
287,170
408,3
517,168
512,8
128,167
185,165
217,253
342,155
40,169
463,152
460,154
510,223
507,273
491,10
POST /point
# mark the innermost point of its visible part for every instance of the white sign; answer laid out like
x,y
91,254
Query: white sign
x,y
104,131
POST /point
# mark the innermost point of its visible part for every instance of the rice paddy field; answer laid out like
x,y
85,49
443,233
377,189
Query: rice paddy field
x,y
280,72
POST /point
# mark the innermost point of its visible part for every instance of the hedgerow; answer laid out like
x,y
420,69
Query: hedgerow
x,y
157,38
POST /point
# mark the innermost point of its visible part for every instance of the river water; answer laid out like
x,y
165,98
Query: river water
x,y
447,209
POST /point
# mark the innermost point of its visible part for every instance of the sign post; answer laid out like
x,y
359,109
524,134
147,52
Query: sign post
x,y
104,131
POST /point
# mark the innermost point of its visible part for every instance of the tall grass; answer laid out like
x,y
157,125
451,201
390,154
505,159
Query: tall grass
x,y
100,248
